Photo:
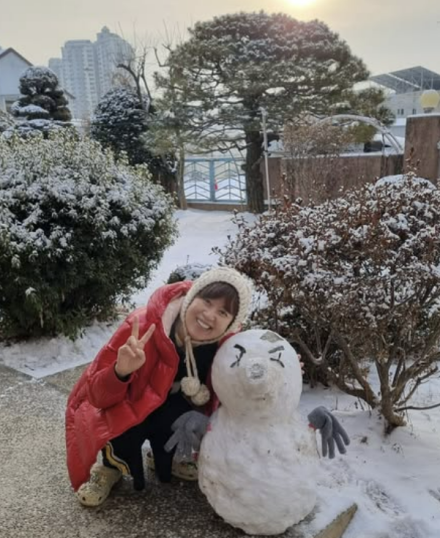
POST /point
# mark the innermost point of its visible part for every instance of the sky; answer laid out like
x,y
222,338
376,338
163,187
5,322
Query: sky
x,y
387,34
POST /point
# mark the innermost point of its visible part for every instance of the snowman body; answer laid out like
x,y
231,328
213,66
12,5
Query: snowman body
x,y
257,462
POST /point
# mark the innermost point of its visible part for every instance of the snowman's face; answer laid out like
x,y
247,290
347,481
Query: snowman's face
x,y
257,370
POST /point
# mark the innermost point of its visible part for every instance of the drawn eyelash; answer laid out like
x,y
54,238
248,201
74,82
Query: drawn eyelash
x,y
242,351
278,360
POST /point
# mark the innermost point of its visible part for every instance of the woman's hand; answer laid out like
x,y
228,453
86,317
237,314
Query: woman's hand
x,y
131,355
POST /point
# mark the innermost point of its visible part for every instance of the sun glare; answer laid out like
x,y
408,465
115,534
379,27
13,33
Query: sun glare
x,y
301,3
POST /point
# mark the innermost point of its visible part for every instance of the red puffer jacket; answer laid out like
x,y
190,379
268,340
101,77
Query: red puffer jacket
x,y
101,406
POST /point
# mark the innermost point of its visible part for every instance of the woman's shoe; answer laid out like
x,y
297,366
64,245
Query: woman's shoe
x,y
97,489
185,470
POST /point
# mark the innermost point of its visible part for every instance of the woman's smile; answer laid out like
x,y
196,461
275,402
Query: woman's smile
x,y
207,319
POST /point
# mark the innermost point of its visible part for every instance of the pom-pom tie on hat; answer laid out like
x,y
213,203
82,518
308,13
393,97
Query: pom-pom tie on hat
x,y
190,384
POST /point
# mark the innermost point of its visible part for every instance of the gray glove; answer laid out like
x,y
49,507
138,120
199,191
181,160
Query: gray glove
x,y
331,431
188,430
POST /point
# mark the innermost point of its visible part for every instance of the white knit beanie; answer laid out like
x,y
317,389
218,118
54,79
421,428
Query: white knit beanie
x,y
239,282
191,385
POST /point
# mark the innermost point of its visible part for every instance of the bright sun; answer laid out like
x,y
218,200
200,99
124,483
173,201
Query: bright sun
x,y
301,3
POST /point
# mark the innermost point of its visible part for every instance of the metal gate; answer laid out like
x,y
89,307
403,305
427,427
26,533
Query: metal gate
x,y
214,180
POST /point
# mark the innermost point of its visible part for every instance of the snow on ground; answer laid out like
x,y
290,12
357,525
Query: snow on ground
x,y
395,480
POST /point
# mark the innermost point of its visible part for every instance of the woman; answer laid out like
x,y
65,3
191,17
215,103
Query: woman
x,y
154,369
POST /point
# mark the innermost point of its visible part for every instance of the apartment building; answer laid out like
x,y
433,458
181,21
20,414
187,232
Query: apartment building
x,y
87,69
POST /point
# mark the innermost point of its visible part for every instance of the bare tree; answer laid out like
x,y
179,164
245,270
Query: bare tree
x,y
135,71
135,68
174,132
312,163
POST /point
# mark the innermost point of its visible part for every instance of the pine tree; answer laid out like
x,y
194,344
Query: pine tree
x,y
172,129
370,103
43,105
160,160
121,123
41,96
235,65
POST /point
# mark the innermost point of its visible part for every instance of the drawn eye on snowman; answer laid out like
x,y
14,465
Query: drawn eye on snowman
x,y
277,359
242,351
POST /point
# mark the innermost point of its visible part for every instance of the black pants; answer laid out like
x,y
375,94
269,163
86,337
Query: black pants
x,y
125,452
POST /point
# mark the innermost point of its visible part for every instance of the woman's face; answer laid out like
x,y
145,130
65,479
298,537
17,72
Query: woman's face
x,y
207,319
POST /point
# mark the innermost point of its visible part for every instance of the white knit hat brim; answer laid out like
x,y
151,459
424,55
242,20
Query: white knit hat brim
x,y
241,283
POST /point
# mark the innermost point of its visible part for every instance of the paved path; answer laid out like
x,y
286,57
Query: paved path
x,y
36,500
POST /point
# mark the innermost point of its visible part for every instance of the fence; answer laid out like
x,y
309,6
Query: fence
x,y
317,179
222,180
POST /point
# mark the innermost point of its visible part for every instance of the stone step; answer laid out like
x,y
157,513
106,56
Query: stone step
x,y
338,526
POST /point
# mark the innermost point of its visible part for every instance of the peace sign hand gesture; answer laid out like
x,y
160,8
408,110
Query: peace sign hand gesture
x,y
131,355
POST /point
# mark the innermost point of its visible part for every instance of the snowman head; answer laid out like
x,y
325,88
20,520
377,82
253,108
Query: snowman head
x,y
257,372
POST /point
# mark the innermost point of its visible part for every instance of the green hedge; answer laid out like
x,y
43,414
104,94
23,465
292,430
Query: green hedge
x,y
78,233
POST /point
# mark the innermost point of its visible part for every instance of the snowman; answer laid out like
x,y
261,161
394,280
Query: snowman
x,y
258,460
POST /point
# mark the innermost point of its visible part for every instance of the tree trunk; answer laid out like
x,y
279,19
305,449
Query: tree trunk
x,y
181,180
393,420
387,404
254,177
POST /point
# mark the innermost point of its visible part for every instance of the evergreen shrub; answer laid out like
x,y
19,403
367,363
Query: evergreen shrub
x,y
79,232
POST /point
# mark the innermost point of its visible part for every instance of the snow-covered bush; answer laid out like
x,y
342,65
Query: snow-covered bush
x,y
29,128
191,271
119,122
42,106
78,233
41,96
6,121
355,283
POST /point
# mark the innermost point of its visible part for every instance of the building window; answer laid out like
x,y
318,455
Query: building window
x,y
414,111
